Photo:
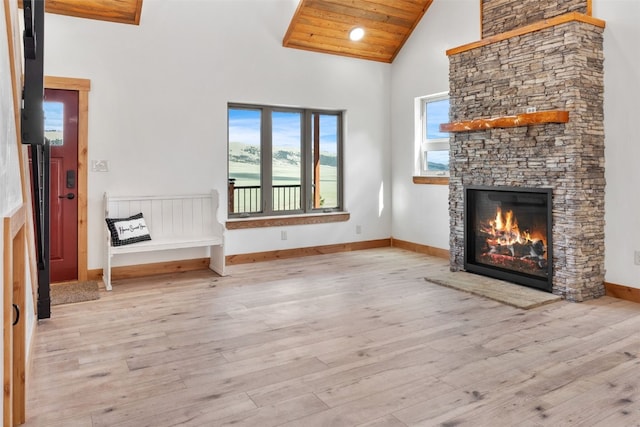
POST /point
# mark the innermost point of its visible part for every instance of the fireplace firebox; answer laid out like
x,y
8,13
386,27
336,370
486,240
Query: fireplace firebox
x,y
507,234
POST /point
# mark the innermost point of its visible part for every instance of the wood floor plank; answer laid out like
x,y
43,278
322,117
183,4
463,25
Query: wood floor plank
x,y
346,391
349,339
223,382
91,396
375,405
386,421
191,406
274,415
351,372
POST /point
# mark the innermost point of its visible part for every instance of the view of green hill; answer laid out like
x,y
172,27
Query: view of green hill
x,y
438,167
244,167
245,153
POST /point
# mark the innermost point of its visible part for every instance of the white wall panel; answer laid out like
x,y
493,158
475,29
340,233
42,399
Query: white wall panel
x,y
159,93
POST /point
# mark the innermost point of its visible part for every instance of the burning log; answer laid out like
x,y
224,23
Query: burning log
x,y
502,243
522,265
531,250
502,236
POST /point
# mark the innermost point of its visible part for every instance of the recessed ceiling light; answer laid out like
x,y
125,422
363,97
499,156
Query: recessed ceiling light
x,y
356,34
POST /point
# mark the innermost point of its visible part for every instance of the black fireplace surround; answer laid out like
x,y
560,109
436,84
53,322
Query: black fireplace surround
x,y
507,234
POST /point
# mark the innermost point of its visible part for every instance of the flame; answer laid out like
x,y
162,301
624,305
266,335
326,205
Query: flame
x,y
504,243
505,231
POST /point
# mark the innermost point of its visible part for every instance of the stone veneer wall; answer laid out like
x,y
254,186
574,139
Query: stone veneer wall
x,y
555,68
499,16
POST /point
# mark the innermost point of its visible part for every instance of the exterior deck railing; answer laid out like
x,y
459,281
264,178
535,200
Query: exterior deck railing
x,y
247,198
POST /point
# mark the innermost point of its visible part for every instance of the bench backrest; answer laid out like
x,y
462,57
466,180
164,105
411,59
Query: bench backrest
x,y
170,216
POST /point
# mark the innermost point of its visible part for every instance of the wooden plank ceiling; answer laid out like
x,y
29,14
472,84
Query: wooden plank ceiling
x,y
324,26
123,11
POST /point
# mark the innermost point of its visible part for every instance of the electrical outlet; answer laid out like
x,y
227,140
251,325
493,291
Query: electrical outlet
x,y
531,109
358,229
283,235
637,258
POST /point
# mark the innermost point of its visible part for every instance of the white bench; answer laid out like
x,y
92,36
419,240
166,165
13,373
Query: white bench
x,y
174,222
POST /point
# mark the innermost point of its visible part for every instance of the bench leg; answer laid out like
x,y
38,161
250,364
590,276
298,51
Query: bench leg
x,y
217,261
106,271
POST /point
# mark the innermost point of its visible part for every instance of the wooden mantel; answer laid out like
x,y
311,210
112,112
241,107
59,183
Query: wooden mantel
x,y
548,23
526,119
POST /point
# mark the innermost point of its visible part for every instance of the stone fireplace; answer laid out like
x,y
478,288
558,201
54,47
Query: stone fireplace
x,y
527,112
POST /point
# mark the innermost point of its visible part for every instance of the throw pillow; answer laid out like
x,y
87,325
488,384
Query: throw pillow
x,y
125,231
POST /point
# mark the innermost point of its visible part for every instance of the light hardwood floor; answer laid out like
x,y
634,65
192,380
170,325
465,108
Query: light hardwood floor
x,y
348,339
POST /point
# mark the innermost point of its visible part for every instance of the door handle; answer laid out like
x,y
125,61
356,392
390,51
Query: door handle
x,y
16,308
69,196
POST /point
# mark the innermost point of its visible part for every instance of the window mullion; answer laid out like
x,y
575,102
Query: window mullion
x,y
340,162
307,203
266,161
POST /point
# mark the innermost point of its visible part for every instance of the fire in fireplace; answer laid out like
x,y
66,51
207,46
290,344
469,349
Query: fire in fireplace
x,y
508,234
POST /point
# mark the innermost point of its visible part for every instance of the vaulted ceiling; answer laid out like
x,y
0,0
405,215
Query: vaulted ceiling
x,y
324,26
317,25
123,11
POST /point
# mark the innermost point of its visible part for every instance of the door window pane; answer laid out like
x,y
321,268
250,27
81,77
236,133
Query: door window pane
x,y
54,122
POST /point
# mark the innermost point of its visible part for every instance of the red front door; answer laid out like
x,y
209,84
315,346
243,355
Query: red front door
x,y
61,128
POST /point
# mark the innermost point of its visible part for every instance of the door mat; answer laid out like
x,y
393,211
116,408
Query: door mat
x,y
66,293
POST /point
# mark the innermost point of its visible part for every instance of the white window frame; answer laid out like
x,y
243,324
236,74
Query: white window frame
x,y
423,144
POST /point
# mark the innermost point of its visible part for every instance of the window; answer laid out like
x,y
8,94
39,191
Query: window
x,y
432,145
53,122
283,160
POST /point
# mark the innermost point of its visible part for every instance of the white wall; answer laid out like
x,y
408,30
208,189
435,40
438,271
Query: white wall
x,y
622,145
157,107
420,212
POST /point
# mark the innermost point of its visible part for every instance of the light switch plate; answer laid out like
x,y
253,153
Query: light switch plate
x,y
100,165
